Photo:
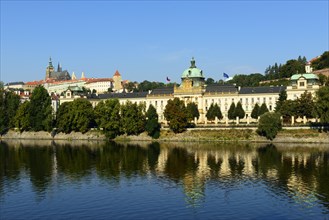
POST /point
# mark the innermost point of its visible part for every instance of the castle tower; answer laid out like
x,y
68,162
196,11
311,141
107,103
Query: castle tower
x,y
117,81
49,69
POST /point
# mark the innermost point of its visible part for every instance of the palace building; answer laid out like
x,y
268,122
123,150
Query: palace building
x,y
194,89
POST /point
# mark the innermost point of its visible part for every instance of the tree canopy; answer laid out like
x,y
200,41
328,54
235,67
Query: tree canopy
x,y
40,110
255,111
213,112
152,126
269,125
107,117
322,104
238,111
322,62
175,114
9,103
192,111
132,118
231,111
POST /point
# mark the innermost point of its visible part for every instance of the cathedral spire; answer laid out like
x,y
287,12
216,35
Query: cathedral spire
x,y
59,67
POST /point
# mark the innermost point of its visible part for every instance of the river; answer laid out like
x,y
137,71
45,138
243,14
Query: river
x,y
107,180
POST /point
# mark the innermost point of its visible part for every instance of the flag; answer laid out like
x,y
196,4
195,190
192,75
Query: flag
x,y
168,80
225,75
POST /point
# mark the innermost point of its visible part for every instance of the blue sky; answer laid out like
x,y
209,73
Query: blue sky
x,y
148,40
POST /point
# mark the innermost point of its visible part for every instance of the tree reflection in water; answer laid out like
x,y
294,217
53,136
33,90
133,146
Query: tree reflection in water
x,y
300,171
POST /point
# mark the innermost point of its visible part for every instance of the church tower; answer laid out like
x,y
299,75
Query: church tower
x,y
49,69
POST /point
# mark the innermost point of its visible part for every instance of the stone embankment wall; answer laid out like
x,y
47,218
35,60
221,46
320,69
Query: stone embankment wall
x,y
192,135
42,135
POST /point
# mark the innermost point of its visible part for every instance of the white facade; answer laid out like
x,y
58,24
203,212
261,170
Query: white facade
x,y
99,85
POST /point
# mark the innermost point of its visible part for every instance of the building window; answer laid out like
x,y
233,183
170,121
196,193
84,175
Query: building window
x,y
252,100
302,84
264,99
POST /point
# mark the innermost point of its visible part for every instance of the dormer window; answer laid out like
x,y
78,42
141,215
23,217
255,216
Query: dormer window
x,y
302,84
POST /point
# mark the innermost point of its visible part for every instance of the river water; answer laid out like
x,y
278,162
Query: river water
x,y
98,180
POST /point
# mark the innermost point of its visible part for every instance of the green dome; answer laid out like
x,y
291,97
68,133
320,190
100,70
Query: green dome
x,y
192,72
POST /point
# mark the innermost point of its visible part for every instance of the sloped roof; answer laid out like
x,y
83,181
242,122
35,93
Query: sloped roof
x,y
121,95
305,75
14,83
221,88
262,89
117,73
164,91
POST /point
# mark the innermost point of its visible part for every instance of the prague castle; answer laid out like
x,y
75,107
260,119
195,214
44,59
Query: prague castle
x,y
58,75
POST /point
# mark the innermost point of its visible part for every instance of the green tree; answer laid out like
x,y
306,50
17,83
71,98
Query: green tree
x,y
263,109
9,103
322,62
3,123
22,117
152,126
132,118
130,87
213,112
305,105
322,104
239,112
292,67
282,98
12,102
269,125
175,114
210,81
107,117
247,80
323,80
231,111
192,111
64,117
255,111
75,116
82,115
147,85
40,110
288,109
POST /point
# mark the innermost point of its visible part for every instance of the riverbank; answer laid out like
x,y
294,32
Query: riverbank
x,y
191,135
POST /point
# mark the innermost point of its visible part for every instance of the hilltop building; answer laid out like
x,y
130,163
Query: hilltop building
x,y
58,75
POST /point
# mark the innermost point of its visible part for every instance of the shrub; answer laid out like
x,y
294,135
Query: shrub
x,y
269,125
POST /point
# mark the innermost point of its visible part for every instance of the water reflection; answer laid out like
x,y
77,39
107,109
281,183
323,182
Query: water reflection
x,y
298,172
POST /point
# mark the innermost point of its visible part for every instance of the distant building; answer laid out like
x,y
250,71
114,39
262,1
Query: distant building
x,y
58,75
14,85
194,89
100,85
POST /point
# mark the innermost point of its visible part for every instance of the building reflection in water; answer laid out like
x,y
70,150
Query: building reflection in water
x,y
301,171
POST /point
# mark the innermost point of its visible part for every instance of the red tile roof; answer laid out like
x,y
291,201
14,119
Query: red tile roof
x,y
117,73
